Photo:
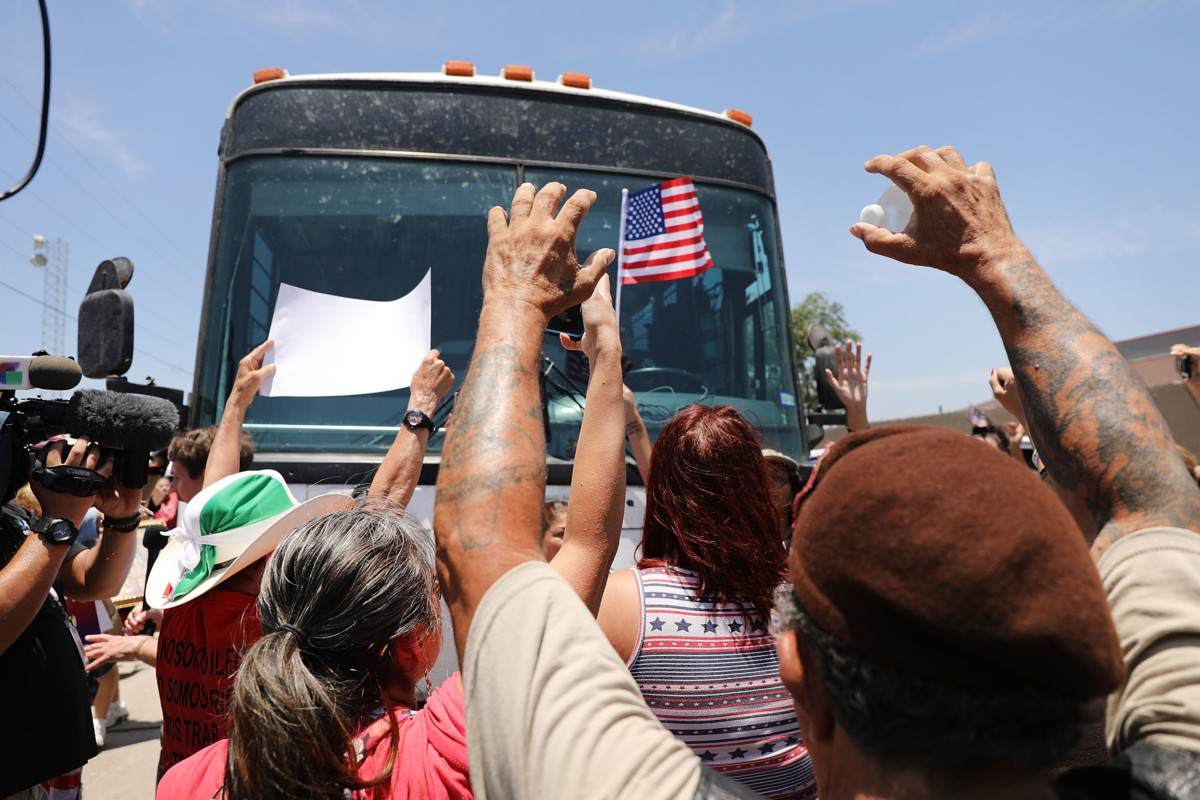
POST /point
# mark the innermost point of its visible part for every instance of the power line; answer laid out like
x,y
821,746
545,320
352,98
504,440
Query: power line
x,y
73,288
106,209
41,302
66,140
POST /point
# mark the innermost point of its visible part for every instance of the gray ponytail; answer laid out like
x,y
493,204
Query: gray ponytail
x,y
338,590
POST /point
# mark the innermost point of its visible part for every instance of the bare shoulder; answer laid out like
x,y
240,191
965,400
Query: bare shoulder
x,y
620,614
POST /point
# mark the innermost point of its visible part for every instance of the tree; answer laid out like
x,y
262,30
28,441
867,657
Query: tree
x,y
816,307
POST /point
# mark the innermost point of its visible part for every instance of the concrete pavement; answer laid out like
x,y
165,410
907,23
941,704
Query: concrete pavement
x,y
126,766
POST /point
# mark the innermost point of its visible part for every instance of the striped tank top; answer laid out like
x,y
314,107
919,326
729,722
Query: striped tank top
x,y
710,674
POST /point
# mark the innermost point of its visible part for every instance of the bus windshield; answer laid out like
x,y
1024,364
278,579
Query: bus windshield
x,y
372,228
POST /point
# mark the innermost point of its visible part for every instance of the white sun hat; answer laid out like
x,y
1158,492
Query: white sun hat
x,y
227,527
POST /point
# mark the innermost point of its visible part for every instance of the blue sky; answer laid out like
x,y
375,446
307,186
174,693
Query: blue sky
x,y
1087,111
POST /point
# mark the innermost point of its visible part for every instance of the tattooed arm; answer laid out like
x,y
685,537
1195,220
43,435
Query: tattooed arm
x,y
492,479
1097,428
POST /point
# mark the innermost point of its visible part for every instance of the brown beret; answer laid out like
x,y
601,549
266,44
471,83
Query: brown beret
x,y
932,552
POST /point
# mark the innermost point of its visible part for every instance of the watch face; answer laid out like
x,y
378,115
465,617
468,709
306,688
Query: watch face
x,y
58,531
416,419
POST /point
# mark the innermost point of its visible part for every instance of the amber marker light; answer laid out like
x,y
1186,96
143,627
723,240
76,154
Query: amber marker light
x,y
516,73
575,79
464,69
272,74
739,116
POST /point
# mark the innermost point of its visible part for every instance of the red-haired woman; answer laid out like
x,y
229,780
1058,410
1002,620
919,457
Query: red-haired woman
x,y
691,620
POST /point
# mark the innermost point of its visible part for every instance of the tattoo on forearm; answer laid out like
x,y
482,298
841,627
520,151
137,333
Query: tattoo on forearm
x,y
489,445
633,428
1095,423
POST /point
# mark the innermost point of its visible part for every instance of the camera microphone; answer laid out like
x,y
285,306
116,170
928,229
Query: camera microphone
x,y
122,421
132,423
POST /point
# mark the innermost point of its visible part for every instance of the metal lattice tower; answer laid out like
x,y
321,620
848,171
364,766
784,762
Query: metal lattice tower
x,y
54,297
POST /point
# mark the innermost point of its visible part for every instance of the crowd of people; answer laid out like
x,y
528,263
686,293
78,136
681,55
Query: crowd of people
x,y
921,614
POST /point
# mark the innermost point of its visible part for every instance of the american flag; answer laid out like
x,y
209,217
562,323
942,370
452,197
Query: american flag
x,y
663,234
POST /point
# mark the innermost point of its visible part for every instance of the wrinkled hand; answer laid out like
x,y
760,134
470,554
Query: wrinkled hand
x,y
531,251
430,383
850,385
105,648
67,506
959,223
250,374
1007,392
599,322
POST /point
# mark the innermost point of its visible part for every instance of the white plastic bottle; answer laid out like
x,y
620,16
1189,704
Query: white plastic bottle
x,y
893,210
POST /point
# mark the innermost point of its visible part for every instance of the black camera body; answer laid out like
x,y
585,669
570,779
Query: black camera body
x,y
1187,366
127,428
24,423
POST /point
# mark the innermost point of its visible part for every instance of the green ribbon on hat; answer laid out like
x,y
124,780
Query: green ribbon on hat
x,y
250,499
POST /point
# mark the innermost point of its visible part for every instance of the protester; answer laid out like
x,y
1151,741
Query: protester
x,y
691,621
978,616
351,621
209,591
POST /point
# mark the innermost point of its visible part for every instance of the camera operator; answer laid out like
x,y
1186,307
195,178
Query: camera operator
x,y
46,723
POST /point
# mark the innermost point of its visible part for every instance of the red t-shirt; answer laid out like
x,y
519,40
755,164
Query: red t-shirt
x,y
431,761
200,646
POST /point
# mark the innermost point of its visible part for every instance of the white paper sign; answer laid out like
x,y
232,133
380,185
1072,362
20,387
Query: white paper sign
x,y
330,346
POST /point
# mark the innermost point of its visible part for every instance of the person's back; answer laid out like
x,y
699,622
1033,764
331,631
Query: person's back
x,y
691,620
200,647
709,672
351,622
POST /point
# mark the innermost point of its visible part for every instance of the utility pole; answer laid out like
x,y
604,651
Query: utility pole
x,y
52,256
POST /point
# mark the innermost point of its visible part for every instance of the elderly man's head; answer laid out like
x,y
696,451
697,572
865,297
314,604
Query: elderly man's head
x,y
946,618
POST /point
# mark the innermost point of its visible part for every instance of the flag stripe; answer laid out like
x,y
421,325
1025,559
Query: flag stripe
x,y
659,242
663,234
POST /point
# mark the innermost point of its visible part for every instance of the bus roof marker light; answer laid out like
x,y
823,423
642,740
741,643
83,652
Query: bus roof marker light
x,y
739,116
575,79
517,73
463,69
272,74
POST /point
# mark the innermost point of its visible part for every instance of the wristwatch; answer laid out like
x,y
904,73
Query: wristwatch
x,y
415,419
55,530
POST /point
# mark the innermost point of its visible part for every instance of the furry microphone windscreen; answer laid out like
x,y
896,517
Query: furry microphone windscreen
x,y
124,421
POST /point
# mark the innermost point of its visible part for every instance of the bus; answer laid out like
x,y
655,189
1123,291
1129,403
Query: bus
x,y
359,185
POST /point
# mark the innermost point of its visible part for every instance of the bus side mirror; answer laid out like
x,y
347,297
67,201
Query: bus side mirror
x,y
826,358
106,321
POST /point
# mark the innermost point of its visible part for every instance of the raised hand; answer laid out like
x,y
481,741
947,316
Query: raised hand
x,y
599,323
1008,393
251,374
850,385
959,224
430,383
531,250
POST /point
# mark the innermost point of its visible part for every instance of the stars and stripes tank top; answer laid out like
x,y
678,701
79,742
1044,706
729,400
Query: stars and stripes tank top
x,y
709,672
